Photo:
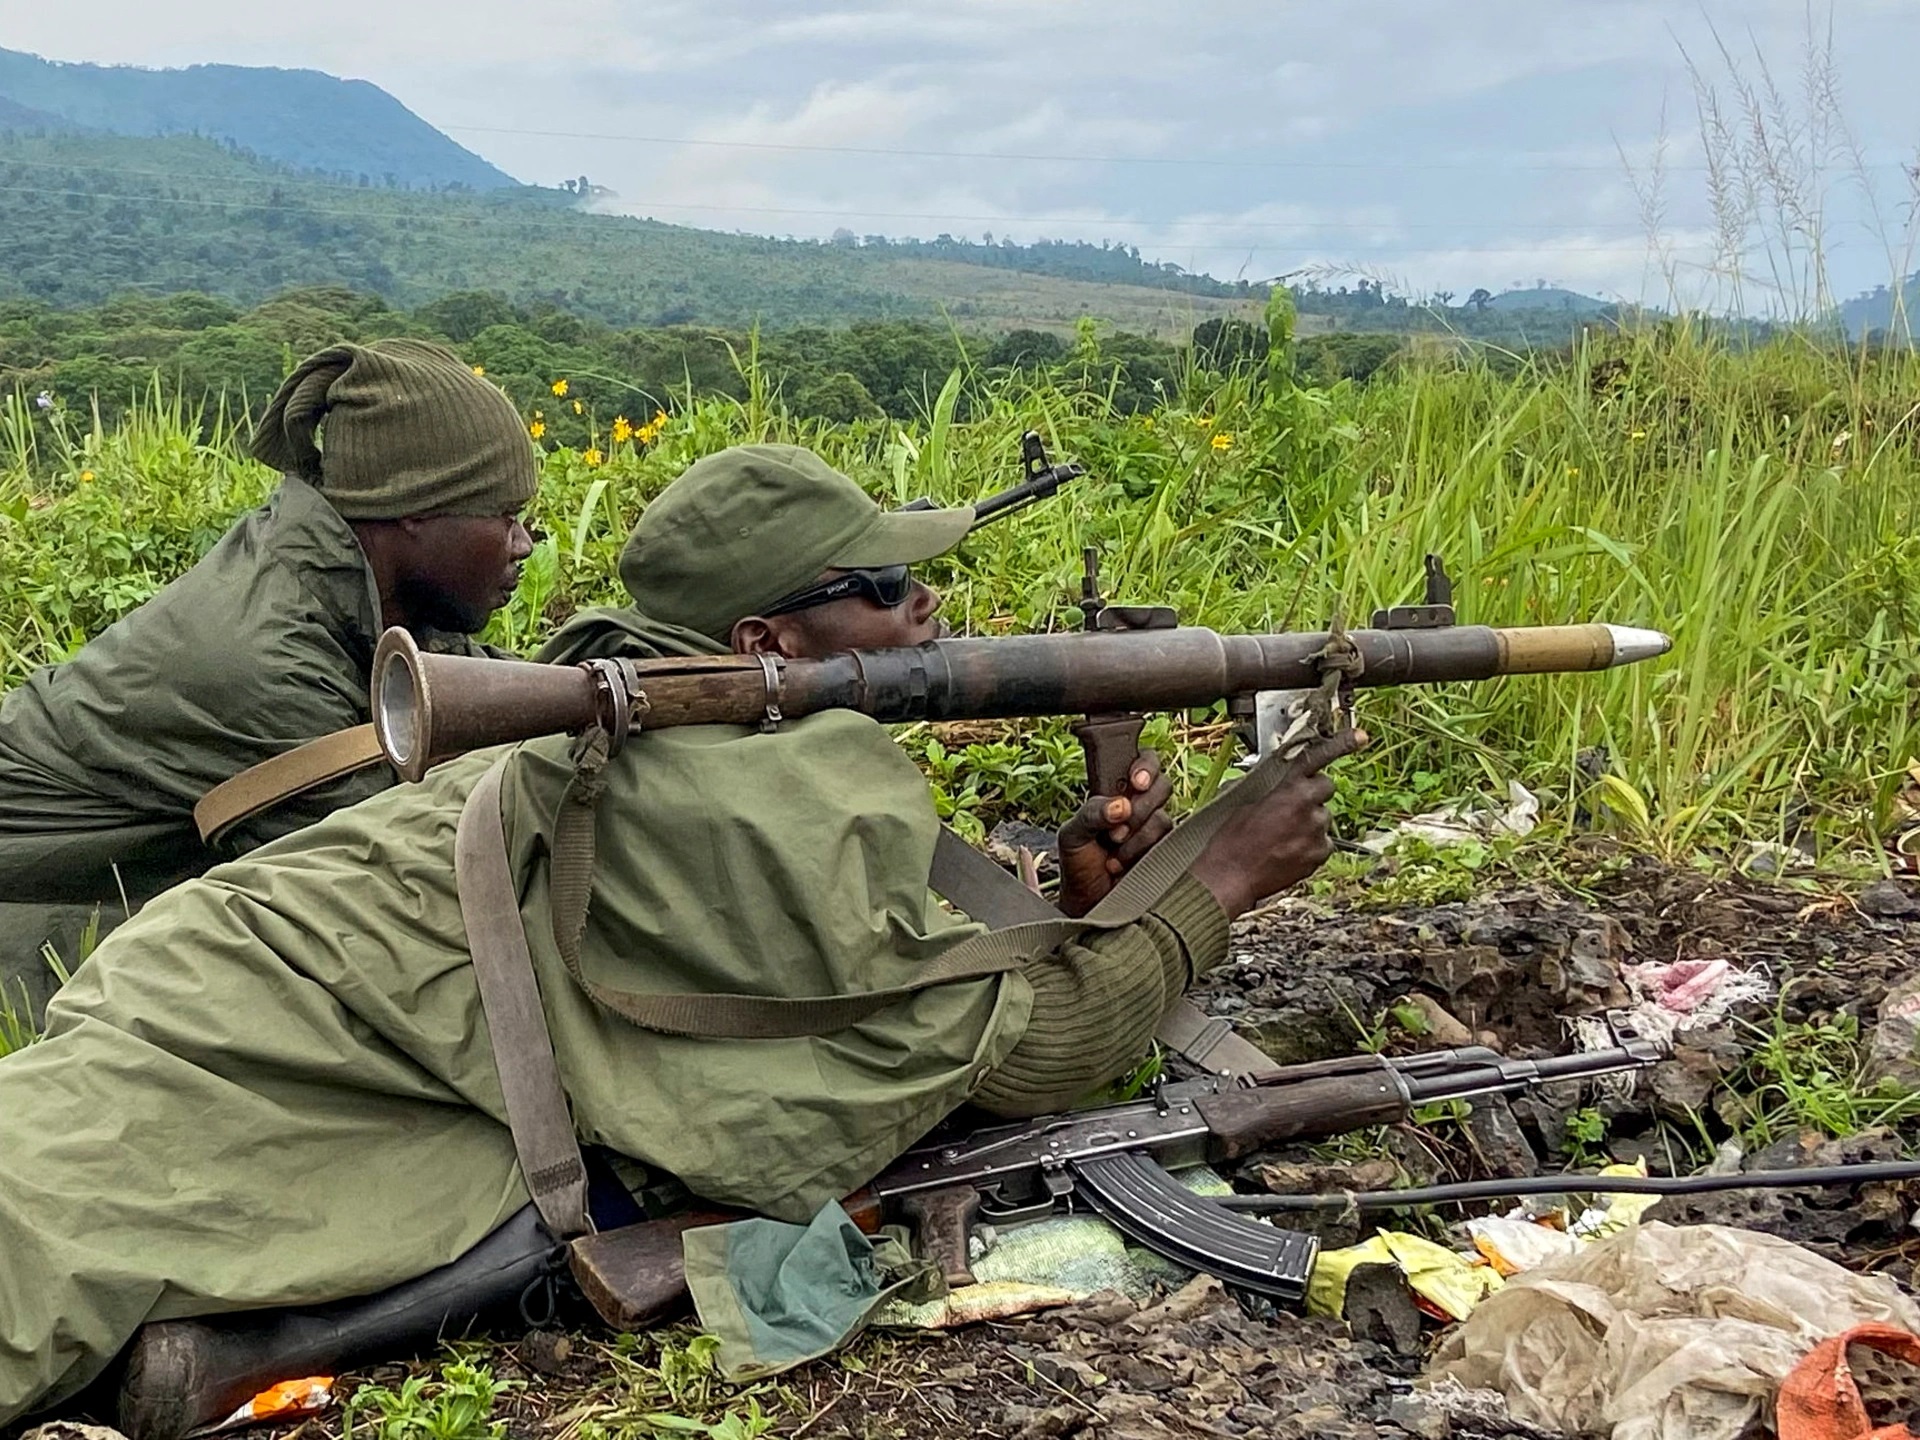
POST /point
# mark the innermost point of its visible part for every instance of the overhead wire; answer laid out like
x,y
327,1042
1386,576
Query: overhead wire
x,y
1478,164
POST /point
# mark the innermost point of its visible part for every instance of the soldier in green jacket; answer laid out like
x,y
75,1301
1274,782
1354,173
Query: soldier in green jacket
x,y
404,510
275,1086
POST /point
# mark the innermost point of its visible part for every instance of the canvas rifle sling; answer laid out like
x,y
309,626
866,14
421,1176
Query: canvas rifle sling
x,y
536,1102
974,884
292,772
765,1017
537,1112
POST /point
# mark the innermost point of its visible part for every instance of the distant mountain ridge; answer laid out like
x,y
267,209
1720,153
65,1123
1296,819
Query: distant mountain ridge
x,y
302,119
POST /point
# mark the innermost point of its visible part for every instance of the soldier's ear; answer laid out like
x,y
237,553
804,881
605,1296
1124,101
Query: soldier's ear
x,y
754,635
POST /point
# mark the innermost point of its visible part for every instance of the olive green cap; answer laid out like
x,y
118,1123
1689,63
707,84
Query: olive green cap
x,y
404,428
741,529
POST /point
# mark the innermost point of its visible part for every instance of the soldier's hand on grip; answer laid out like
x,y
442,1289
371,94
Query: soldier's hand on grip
x,y
1108,833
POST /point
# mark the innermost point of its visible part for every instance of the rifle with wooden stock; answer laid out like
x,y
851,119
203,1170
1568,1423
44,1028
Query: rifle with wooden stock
x,y
1113,1161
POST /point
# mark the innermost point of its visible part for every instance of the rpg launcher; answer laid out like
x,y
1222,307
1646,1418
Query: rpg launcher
x,y
1113,1161
1131,659
429,708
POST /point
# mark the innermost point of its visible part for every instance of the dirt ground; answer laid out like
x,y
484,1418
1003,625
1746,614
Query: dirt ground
x,y
1309,981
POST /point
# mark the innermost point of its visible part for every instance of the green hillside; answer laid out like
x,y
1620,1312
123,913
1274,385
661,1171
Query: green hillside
x,y
86,217
299,118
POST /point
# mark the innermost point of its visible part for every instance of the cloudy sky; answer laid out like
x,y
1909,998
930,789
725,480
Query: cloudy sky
x,y
1435,144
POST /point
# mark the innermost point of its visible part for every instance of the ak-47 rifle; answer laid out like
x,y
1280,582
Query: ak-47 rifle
x,y
1113,1160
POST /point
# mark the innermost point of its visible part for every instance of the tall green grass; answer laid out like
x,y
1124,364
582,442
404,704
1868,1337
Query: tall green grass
x,y
1760,506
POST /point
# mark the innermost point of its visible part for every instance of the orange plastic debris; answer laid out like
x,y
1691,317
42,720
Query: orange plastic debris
x,y
1819,1401
278,1402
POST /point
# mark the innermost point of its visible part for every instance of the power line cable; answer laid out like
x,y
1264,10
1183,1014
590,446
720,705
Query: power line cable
x,y
300,182
1859,1173
1491,164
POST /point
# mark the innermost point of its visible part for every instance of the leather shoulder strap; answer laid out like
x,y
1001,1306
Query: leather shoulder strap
x,y
537,1112
293,772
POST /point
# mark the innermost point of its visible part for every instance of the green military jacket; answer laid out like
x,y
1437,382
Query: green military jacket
x,y
265,644
275,1084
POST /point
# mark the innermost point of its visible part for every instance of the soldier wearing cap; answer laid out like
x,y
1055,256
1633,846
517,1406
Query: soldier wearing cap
x,y
405,475
276,1088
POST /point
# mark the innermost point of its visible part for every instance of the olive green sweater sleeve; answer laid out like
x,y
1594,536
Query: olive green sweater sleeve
x,y
1097,1003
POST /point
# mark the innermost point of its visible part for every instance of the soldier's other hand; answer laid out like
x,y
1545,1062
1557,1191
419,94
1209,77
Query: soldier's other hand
x,y
1110,832
1280,840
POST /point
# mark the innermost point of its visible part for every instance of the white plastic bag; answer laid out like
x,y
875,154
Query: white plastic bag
x,y
1663,1332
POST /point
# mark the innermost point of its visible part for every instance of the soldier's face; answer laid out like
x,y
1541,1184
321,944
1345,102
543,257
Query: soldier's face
x,y
854,623
464,567
857,623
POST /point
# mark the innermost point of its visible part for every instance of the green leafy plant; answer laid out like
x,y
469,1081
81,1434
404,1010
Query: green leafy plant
x,y
1812,1074
454,1404
1586,1137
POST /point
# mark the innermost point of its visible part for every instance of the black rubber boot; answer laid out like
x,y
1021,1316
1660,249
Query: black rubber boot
x,y
182,1374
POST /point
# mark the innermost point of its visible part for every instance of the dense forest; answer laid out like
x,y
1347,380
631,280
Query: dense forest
x,y
214,353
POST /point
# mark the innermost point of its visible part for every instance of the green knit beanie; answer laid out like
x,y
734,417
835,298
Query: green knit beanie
x,y
410,430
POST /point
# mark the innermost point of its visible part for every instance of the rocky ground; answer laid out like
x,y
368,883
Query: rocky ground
x,y
1309,981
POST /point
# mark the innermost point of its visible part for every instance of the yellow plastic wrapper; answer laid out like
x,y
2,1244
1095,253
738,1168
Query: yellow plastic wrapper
x,y
1615,1212
1448,1282
1519,1241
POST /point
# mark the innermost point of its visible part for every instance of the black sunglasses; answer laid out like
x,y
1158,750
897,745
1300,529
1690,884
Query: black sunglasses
x,y
885,587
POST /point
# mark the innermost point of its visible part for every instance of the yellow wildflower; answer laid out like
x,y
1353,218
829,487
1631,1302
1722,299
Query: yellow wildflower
x,y
578,408
479,369
85,476
1222,441
537,429
622,429
594,457
559,387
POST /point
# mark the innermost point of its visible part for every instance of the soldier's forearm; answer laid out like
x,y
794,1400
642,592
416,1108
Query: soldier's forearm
x,y
1096,1004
